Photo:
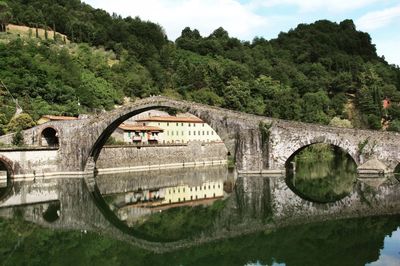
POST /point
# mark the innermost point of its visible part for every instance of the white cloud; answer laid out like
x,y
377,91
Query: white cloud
x,y
316,5
204,15
378,19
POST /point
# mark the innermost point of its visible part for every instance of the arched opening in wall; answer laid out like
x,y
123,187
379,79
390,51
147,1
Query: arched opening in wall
x,y
52,212
321,173
49,138
397,172
5,179
162,167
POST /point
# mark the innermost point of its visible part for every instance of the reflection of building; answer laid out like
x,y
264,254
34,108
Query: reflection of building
x,y
181,129
178,194
139,134
185,193
3,179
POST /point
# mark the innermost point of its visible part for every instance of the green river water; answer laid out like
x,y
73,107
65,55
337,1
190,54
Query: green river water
x,y
155,213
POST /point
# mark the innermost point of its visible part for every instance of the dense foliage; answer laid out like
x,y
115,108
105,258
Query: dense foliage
x,y
314,73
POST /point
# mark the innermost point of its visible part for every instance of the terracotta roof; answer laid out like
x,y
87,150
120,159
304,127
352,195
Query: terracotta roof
x,y
171,119
139,128
58,118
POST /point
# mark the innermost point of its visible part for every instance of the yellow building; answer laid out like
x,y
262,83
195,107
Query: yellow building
x,y
182,129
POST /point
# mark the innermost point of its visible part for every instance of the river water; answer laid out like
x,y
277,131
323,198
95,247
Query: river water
x,y
192,204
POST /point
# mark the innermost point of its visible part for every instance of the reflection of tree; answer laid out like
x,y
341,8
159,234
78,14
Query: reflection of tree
x,y
346,242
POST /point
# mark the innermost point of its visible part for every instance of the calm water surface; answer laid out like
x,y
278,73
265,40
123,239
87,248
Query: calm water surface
x,y
181,204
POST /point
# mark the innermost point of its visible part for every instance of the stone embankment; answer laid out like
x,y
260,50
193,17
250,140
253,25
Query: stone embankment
x,y
114,159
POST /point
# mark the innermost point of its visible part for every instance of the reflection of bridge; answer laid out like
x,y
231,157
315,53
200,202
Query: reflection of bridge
x,y
258,144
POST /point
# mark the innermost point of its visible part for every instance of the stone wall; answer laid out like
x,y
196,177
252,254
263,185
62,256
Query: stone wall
x,y
35,162
136,157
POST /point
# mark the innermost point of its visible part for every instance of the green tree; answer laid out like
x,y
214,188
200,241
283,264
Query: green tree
x,y
18,138
236,94
314,107
20,122
5,16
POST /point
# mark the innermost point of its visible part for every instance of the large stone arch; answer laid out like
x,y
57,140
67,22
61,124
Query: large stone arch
x,y
227,126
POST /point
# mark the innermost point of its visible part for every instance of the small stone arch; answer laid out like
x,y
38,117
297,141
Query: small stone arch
x,y
302,145
6,185
49,137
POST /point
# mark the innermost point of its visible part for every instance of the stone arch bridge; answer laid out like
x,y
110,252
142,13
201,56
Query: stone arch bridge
x,y
257,143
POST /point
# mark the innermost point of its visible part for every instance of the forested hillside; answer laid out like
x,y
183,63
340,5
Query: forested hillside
x,y
322,72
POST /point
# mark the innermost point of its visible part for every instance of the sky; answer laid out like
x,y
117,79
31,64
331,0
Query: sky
x,y
246,19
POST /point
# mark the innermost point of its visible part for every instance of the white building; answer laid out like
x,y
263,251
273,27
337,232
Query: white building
x,y
181,129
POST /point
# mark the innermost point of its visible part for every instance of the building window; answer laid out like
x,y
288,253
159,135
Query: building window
x,y
205,187
194,124
182,132
212,132
177,124
194,133
168,124
191,197
169,201
177,133
202,124
179,199
196,196
189,132
203,133
172,133
184,199
214,195
205,196
183,189
158,123
189,124
182,124
190,189
179,190
198,132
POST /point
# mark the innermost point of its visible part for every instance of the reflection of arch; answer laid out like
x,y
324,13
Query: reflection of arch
x,y
6,165
108,125
49,137
396,171
323,140
325,184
